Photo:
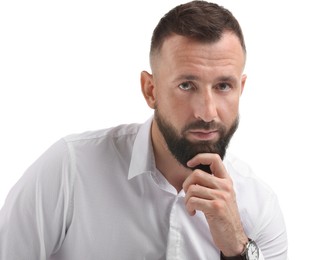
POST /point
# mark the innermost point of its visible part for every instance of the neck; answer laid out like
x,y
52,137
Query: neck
x,y
172,170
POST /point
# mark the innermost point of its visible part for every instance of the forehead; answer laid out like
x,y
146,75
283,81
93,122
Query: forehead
x,y
178,51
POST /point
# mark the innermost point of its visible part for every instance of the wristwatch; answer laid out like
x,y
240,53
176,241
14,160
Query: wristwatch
x,y
250,252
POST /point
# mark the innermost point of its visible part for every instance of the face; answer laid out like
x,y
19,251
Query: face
x,y
195,90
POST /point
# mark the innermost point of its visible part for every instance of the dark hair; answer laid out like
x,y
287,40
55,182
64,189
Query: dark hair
x,y
199,20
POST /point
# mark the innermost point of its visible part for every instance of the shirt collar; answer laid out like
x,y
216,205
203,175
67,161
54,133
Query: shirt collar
x,y
142,158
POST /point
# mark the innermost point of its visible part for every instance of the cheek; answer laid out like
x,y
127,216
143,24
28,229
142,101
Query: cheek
x,y
229,110
176,109
170,100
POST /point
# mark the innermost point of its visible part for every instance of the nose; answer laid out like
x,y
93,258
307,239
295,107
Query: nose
x,y
205,106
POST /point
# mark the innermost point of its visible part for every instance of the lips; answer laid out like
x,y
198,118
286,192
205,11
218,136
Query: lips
x,y
203,135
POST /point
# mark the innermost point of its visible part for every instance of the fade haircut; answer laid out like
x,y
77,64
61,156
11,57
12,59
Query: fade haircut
x,y
199,20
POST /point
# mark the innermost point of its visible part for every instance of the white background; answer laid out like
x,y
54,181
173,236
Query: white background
x,y
71,66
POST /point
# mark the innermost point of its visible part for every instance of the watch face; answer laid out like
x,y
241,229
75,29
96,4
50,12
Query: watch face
x,y
253,251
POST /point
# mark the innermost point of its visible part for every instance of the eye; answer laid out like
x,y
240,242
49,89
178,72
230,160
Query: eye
x,y
224,87
186,86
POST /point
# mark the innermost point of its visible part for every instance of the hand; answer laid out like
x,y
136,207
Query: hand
x,y
215,197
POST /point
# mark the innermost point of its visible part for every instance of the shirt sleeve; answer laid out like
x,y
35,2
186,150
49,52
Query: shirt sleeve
x,y
34,218
260,211
271,235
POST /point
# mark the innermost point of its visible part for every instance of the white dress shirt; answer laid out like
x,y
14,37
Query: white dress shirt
x,y
98,195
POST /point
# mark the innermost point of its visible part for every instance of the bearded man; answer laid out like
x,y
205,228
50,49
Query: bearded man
x,y
165,189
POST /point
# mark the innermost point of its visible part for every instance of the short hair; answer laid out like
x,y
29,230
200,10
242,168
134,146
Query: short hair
x,y
199,20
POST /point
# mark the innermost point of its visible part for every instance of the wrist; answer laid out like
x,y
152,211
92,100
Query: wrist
x,y
237,248
250,252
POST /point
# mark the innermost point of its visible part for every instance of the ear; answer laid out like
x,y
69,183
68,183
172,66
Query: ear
x,y
243,80
148,88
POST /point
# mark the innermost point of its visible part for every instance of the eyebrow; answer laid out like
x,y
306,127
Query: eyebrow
x,y
227,78
187,77
190,77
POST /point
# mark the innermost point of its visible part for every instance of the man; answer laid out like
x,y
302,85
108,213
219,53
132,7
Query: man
x,y
162,190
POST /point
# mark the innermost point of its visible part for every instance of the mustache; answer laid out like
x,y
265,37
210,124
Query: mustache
x,y
212,125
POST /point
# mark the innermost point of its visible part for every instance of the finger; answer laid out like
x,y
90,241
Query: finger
x,y
211,208
201,178
213,160
194,192
205,193
198,191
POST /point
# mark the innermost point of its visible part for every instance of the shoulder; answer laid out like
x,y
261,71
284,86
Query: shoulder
x,y
102,147
69,150
117,137
125,130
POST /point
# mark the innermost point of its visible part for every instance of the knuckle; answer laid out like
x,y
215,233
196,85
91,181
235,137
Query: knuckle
x,y
198,176
226,197
193,190
218,205
227,186
217,157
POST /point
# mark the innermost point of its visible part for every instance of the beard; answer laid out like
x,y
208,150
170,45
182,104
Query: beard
x,y
183,149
